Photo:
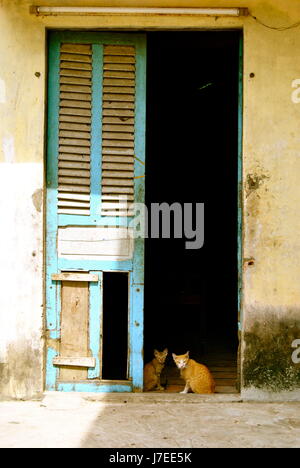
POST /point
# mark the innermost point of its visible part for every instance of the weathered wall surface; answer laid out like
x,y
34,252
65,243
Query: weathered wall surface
x,y
21,203
271,167
21,299
271,205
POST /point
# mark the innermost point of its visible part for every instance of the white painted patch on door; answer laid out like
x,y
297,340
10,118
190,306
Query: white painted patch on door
x,y
95,243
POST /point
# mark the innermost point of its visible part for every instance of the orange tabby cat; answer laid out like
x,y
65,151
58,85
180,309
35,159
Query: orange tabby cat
x,y
153,370
197,376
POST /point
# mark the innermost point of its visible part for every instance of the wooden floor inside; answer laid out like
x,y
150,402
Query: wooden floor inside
x,y
223,367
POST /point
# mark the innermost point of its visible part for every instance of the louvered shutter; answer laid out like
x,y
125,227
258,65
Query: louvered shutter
x,y
75,129
118,130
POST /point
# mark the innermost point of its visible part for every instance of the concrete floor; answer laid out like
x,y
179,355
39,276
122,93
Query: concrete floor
x,y
147,420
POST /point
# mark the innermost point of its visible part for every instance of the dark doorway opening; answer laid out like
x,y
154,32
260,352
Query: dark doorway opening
x,y
115,326
191,296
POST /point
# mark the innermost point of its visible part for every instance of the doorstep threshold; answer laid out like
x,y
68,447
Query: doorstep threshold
x,y
138,398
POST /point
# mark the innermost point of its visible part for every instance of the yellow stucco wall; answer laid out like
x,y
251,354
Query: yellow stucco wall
x,y
271,145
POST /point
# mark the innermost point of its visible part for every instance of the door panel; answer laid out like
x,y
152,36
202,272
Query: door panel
x,y
74,327
95,171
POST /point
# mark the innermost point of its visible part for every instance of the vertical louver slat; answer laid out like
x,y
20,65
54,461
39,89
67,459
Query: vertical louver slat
x,y
75,129
118,126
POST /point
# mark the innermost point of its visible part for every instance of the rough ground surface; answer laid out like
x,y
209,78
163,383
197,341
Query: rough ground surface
x,y
73,421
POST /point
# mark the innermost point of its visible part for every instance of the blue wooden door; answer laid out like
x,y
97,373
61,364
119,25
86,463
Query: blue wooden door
x,y
95,172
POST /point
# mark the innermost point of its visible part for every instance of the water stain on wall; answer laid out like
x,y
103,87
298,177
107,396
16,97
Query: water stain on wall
x,y
254,182
20,375
37,199
267,362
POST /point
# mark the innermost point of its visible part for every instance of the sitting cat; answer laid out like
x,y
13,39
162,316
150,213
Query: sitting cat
x,y
197,376
153,370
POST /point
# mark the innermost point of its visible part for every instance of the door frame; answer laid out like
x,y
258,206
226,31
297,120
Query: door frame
x,y
137,277
240,228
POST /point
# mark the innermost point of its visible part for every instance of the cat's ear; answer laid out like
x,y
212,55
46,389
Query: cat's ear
x,y
174,356
187,354
155,352
165,351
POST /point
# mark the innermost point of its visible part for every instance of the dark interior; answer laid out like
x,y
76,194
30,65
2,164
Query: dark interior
x,y
115,326
192,154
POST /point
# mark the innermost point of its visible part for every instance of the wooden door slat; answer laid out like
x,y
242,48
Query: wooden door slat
x,y
76,66
111,104
73,181
72,126
116,182
77,48
116,128
73,165
117,190
119,50
75,57
112,59
75,104
119,89
119,82
117,174
118,97
85,174
118,136
73,188
75,81
124,115
118,151
118,121
74,134
74,119
111,158
118,143
74,157
75,73
76,88
120,67
75,112
74,196
124,74
78,96
74,211
74,150
74,362
117,166
75,142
